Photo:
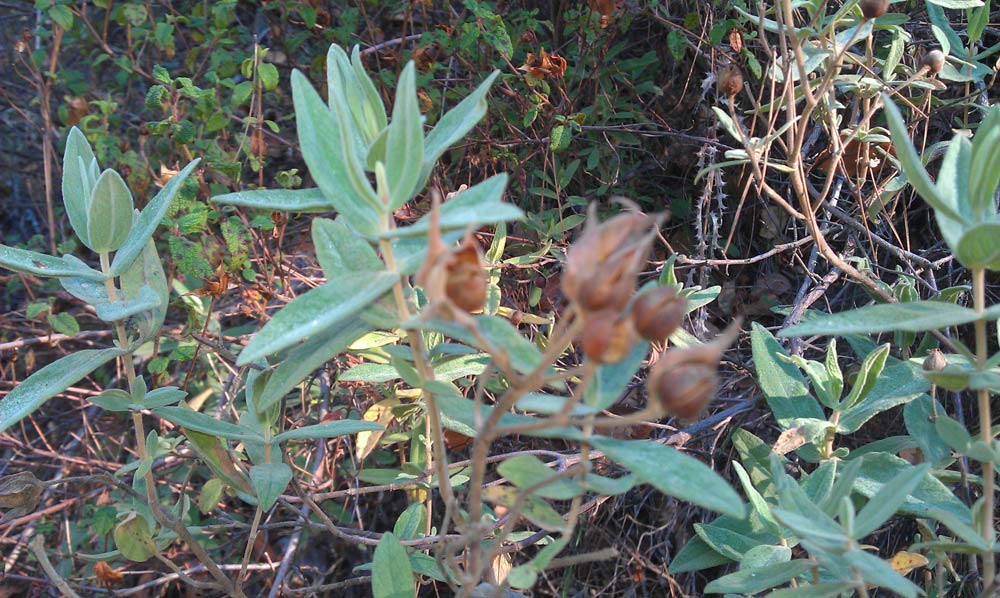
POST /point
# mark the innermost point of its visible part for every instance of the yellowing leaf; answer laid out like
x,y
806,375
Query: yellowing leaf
x,y
903,562
381,413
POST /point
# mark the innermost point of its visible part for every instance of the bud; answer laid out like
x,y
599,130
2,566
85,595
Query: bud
x,y
933,61
608,336
656,314
935,361
602,266
873,9
730,81
684,381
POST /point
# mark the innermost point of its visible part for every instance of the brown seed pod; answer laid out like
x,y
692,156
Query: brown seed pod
x,y
683,382
465,277
873,9
935,361
933,61
730,81
602,265
657,313
607,337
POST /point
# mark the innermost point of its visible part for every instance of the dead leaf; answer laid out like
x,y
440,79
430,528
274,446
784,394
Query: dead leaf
x,y
368,440
903,562
789,440
735,40
106,575
19,494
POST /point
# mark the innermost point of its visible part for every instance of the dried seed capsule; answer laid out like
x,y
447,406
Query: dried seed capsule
x,y
602,266
935,361
683,382
465,277
933,61
730,81
656,314
608,336
873,9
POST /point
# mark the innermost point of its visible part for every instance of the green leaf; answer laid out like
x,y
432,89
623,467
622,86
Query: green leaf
x,y
525,471
731,540
820,590
465,365
49,381
867,376
114,311
957,3
875,570
882,505
199,422
113,399
311,313
611,379
912,316
696,555
501,335
984,170
899,383
978,247
340,250
751,581
326,156
278,200
63,323
39,264
478,205
268,75
878,469
150,217
306,358
918,416
134,538
109,218
454,125
348,103
269,480
77,182
783,385
404,151
913,168
374,108
144,275
163,396
458,413
331,429
392,575
673,473
412,522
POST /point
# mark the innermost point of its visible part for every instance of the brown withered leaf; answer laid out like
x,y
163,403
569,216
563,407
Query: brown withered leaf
x,y
106,575
735,40
861,159
77,109
544,65
165,175
19,494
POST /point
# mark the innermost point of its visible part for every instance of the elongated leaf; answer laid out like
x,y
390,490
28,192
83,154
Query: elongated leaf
x,y
912,316
40,264
392,575
527,470
150,217
49,381
898,384
871,368
404,152
751,581
330,429
109,218
783,385
269,480
374,108
146,272
478,205
309,314
884,503
820,590
454,125
303,360
278,200
146,299
199,422
610,380
76,183
875,570
912,166
524,356
985,167
340,250
696,555
325,155
879,469
673,473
